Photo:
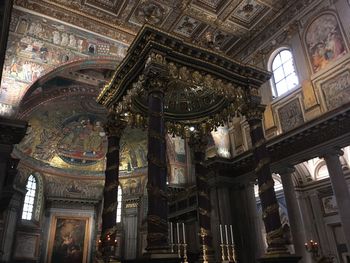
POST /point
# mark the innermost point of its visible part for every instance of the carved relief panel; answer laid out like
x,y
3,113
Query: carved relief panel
x,y
290,115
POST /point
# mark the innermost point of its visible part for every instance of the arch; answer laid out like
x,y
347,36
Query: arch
x,y
28,100
284,78
74,65
321,170
301,175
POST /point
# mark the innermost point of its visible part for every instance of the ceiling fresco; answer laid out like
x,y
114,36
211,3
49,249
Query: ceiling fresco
x,y
241,20
47,33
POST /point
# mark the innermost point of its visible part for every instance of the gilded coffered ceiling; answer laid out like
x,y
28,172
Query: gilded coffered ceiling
x,y
225,25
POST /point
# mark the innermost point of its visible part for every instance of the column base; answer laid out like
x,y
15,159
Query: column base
x,y
279,259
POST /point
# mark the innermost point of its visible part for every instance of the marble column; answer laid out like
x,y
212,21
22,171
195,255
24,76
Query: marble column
x,y
246,232
254,219
114,128
198,144
274,233
131,228
340,190
294,215
157,217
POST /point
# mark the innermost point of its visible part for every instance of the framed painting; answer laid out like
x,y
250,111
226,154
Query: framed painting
x,y
329,205
325,41
69,237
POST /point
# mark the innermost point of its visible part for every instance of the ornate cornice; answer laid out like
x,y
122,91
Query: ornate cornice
x,y
303,143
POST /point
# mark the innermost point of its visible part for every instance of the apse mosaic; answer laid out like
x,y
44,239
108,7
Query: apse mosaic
x,y
83,140
37,45
68,133
324,41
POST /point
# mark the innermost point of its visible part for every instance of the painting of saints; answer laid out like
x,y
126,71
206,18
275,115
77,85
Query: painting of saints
x,y
324,41
69,241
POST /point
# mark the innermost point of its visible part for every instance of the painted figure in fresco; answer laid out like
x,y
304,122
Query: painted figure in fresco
x,y
64,41
56,37
82,138
72,41
325,41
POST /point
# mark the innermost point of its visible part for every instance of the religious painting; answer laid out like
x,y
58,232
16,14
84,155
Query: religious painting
x,y
178,144
83,140
336,90
324,41
178,175
329,205
133,149
69,239
222,141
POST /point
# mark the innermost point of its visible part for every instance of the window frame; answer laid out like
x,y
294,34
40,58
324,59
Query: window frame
x,y
273,83
119,205
34,204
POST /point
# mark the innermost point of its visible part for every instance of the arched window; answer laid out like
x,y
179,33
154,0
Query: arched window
x,y
284,73
119,207
29,200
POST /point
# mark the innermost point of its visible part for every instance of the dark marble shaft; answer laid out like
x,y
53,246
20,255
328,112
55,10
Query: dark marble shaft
x,y
270,207
110,193
157,237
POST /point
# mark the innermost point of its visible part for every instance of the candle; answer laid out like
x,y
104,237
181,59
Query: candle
x,y
231,235
178,233
183,233
221,239
226,234
171,233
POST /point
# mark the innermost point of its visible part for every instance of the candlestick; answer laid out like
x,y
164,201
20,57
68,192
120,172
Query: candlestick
x,y
178,233
171,237
183,233
223,252
226,234
233,253
203,235
185,253
232,242
221,239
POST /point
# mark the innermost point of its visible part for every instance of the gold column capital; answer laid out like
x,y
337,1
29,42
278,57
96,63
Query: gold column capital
x,y
114,126
254,112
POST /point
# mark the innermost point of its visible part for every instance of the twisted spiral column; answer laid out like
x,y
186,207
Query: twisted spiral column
x,y
157,217
198,145
114,128
271,217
